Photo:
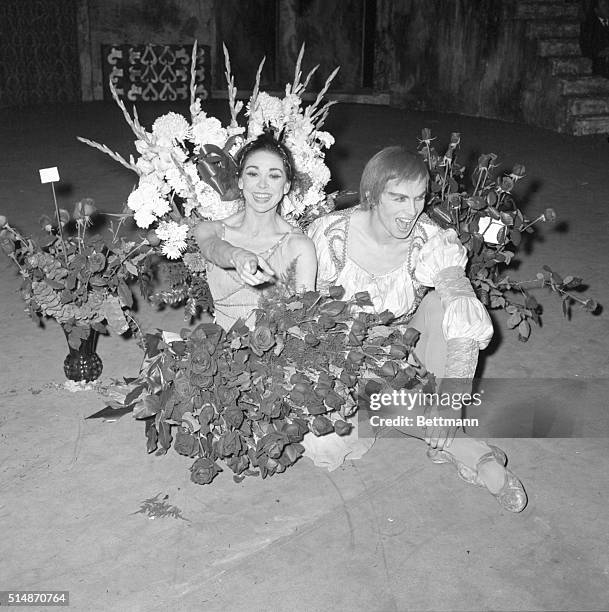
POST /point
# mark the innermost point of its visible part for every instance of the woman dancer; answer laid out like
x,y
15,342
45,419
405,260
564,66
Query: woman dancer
x,y
255,246
388,247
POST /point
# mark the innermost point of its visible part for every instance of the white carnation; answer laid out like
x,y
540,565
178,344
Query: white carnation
x,y
172,250
208,130
173,236
171,127
147,203
144,217
268,109
177,181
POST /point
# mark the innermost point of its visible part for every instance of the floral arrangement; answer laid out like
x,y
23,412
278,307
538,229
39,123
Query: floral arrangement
x,y
247,397
78,278
187,172
491,227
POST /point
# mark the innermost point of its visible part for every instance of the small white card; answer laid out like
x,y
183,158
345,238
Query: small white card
x,y
49,175
170,337
490,228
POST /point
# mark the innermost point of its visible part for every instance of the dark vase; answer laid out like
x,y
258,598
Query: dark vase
x,y
83,363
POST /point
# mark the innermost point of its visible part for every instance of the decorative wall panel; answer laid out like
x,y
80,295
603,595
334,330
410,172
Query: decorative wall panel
x,y
155,72
38,52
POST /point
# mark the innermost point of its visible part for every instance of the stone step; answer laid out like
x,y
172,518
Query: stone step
x,y
546,10
553,28
584,85
570,65
594,124
551,47
587,105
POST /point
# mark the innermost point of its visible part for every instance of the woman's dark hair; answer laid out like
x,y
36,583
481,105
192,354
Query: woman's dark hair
x,y
266,142
389,164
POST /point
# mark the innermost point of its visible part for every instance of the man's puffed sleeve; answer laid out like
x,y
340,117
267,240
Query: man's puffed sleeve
x,y
441,264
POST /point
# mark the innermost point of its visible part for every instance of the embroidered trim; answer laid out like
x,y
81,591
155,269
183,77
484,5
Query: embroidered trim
x,y
336,236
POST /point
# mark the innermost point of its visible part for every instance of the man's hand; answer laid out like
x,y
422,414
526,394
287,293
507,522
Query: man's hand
x,y
252,268
438,435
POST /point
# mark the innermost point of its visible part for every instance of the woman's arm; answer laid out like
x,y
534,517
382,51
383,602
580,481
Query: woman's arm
x,y
303,250
253,269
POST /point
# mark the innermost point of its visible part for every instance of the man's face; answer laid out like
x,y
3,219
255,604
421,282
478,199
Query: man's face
x,y
400,205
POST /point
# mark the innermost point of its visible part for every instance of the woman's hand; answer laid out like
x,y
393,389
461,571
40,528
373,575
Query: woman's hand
x,y
252,269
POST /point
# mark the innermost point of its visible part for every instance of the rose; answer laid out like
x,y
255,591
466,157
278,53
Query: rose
x,y
202,363
342,428
315,405
186,443
321,426
6,242
334,401
233,416
272,444
231,443
518,171
84,208
204,470
507,183
261,339
208,331
549,215
226,395
201,381
274,450
295,430
348,379
311,340
271,405
97,262
389,369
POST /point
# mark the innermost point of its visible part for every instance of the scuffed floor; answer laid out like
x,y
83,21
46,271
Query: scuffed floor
x,y
81,499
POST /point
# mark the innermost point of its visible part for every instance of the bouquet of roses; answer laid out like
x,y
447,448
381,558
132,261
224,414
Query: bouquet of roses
x,y
187,172
80,279
491,227
247,397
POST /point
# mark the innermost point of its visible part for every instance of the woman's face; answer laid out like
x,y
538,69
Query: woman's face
x,y
400,205
263,181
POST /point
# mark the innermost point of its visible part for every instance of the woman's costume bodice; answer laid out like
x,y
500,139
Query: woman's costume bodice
x,y
234,299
